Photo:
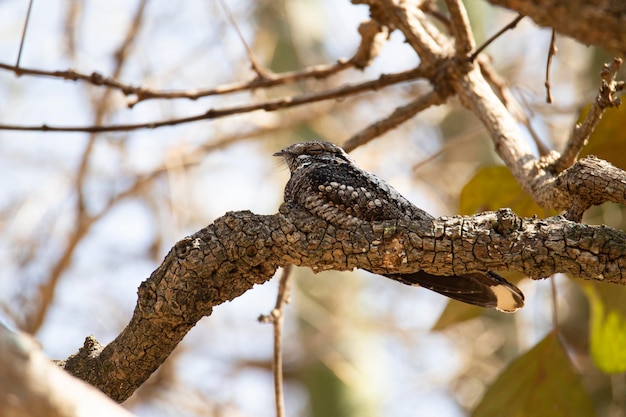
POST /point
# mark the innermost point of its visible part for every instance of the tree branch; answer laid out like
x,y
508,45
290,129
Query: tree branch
x,y
31,385
464,42
601,23
397,117
606,98
141,93
241,249
463,77
383,80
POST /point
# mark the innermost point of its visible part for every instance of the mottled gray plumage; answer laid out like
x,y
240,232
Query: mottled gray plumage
x,y
326,182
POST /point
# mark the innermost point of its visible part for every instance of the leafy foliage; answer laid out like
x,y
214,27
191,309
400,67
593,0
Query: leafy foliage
x,y
541,382
608,326
492,188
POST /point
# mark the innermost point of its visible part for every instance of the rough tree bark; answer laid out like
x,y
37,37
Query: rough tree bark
x,y
240,249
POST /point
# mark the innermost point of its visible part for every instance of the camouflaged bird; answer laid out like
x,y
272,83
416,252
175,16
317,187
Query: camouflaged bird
x,y
327,183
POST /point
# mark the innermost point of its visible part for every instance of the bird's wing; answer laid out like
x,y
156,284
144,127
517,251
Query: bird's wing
x,y
357,193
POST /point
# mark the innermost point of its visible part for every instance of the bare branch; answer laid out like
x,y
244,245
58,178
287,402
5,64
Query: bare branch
x,y
589,182
601,23
399,116
31,385
501,87
372,35
537,177
144,93
551,52
260,72
488,42
463,37
432,8
606,98
270,105
422,35
276,317
19,52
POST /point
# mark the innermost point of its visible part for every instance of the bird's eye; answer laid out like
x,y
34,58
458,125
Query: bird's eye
x,y
316,151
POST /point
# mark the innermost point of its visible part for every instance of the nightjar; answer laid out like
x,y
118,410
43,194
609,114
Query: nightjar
x,y
327,183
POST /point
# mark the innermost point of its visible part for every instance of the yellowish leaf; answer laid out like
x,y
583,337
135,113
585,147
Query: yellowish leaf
x,y
542,382
493,188
608,326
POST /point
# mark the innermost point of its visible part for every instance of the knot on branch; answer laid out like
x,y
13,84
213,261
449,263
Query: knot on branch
x,y
89,352
507,222
589,182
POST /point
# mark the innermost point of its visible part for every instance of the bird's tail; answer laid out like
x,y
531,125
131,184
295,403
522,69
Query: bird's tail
x,y
482,289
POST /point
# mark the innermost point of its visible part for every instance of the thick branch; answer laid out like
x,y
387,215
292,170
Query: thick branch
x,y
241,249
601,23
589,182
31,385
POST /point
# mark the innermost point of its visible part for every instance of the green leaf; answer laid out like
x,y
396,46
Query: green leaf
x,y
493,188
608,140
542,382
608,326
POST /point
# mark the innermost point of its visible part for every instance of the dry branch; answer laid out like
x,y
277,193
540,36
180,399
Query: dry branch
x,y
140,93
601,23
607,97
382,81
464,78
31,385
241,249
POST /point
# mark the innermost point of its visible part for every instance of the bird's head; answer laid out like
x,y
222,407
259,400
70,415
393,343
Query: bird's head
x,y
300,155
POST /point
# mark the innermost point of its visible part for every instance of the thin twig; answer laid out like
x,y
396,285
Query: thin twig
x,y
399,116
276,317
144,93
551,52
74,9
510,26
261,73
463,38
19,53
605,98
503,91
270,105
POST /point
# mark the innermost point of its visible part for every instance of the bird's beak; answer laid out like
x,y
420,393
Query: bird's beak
x,y
280,153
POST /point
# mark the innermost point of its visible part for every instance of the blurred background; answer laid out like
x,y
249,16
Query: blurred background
x,y
84,218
